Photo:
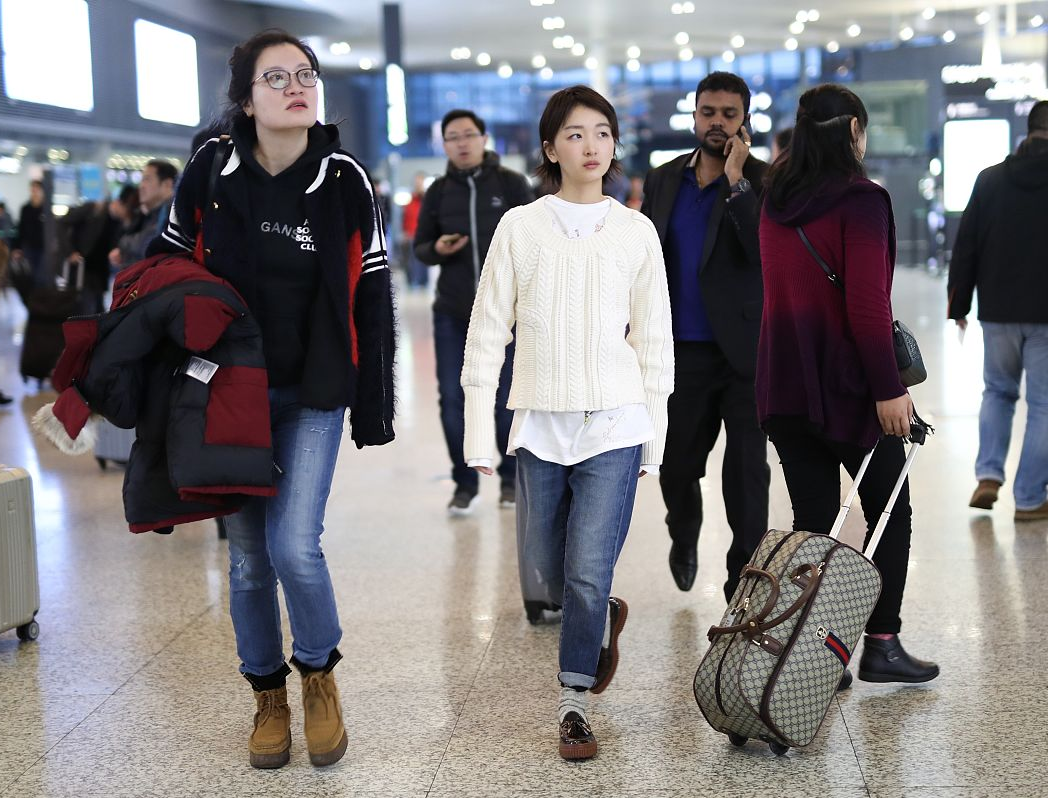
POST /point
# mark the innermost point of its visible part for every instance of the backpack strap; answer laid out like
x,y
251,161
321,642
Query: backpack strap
x,y
225,144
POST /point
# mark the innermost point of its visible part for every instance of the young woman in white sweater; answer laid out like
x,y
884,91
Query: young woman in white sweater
x,y
582,278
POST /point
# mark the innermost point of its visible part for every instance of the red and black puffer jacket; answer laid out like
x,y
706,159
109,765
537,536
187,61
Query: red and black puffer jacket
x,y
203,442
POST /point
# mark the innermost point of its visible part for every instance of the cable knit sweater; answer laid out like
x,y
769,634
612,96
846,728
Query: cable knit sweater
x,y
572,301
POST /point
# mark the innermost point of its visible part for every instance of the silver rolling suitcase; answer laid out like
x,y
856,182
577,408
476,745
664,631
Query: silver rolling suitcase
x,y
19,579
113,444
781,648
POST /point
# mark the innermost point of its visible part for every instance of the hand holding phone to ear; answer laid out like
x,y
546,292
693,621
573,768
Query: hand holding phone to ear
x,y
737,151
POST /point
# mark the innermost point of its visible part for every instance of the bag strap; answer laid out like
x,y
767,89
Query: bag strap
x,y
834,278
225,143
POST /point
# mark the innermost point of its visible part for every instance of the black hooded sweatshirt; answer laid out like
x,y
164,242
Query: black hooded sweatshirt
x,y
1002,242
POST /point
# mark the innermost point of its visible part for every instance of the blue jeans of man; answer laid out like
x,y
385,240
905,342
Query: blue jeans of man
x,y
573,521
1009,350
278,539
449,338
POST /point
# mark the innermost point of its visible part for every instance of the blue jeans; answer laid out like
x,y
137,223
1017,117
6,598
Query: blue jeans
x,y
278,538
572,521
449,338
1010,349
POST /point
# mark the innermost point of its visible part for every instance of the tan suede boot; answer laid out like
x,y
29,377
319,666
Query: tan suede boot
x,y
270,743
325,734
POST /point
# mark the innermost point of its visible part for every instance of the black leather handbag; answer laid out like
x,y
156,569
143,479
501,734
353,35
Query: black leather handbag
x,y
907,353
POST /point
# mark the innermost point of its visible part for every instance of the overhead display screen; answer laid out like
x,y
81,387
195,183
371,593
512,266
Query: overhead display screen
x,y
969,146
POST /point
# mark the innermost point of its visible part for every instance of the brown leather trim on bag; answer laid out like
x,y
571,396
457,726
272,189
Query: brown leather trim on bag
x,y
765,710
769,605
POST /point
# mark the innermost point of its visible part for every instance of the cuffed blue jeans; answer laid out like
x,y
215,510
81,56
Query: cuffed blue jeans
x,y
1009,350
278,539
573,521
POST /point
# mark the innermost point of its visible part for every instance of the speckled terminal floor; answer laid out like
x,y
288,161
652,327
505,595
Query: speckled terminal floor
x,y
132,688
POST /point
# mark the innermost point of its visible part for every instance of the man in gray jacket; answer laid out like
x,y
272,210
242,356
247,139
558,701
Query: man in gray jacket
x,y
456,224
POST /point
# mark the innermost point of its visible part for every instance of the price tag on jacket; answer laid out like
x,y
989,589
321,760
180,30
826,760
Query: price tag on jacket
x,y
200,369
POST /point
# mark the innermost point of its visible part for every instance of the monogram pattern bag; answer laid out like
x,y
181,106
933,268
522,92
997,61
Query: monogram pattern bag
x,y
791,627
907,353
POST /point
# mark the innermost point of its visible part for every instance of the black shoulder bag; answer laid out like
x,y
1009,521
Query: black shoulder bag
x,y
907,353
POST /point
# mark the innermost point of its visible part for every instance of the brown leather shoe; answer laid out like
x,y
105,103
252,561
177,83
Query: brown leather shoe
x,y
576,738
325,735
608,661
985,494
270,743
1036,514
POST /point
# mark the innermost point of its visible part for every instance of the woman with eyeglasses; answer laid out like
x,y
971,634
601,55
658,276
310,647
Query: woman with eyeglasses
x,y
292,223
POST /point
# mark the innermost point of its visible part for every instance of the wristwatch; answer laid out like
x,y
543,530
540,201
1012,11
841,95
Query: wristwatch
x,y
740,187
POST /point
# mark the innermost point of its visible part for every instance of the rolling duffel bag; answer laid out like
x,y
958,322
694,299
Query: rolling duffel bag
x,y
779,652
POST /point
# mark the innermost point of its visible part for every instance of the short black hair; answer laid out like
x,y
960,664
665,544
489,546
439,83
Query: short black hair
x,y
128,196
461,113
725,81
1037,121
556,113
165,170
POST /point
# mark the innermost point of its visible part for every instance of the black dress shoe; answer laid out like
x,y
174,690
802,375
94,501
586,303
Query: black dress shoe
x,y
576,737
846,680
609,657
684,564
887,661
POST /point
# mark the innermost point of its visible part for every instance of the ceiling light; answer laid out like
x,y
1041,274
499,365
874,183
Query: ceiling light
x,y
633,65
949,36
546,73
538,61
813,15
505,70
802,17
578,49
982,17
542,2
906,33
796,27
483,59
366,64
591,63
1036,21
737,41
832,47
340,48
728,56
928,13
854,30
553,23
790,44
685,54
681,39
461,54
683,8
564,42
633,52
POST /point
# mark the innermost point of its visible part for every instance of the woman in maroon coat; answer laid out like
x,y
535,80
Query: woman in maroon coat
x,y
828,387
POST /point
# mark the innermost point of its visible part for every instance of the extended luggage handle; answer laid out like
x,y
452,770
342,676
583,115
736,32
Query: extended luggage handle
x,y
757,625
919,432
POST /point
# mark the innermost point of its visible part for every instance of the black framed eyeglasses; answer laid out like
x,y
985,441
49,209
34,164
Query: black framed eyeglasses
x,y
457,137
281,78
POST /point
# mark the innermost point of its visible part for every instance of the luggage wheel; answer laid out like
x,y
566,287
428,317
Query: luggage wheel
x,y
28,631
533,609
737,739
101,462
778,748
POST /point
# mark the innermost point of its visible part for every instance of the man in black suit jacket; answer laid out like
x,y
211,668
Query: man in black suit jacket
x,y
706,208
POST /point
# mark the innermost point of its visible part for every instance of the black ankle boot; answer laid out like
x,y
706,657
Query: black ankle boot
x,y
887,661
